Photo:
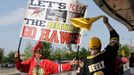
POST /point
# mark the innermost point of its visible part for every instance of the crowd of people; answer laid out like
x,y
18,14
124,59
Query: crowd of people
x,y
100,62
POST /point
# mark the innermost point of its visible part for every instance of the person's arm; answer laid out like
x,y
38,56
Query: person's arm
x,y
22,66
114,37
112,47
105,20
53,67
68,66
113,33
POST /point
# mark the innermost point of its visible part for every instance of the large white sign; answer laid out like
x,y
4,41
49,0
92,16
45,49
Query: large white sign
x,y
49,20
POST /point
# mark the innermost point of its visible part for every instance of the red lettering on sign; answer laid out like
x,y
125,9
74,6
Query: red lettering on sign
x,y
54,37
77,8
29,32
45,34
72,7
75,38
64,37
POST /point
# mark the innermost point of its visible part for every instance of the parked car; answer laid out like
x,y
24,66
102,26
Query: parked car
x,y
7,65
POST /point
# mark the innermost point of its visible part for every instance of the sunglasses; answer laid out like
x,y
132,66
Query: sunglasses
x,y
40,51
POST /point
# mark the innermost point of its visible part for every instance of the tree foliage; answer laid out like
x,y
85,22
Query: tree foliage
x,y
59,54
11,58
5,59
1,54
124,51
46,49
84,53
27,51
67,54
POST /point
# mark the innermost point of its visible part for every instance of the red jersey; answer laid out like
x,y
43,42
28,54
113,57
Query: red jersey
x,y
45,67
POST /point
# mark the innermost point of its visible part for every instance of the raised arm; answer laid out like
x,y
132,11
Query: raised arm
x,y
105,20
113,45
113,33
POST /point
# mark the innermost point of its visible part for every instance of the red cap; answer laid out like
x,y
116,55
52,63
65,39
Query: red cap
x,y
38,46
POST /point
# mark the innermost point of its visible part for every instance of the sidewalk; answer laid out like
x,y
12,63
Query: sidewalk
x,y
13,71
9,71
127,72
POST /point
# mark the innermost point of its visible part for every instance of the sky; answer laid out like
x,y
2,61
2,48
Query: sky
x,y
13,12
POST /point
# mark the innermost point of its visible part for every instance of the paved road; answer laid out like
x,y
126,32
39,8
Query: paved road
x,y
13,71
9,71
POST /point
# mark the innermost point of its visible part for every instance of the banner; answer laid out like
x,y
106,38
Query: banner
x,y
49,21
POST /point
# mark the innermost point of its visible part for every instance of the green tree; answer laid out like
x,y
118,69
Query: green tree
x,y
11,58
83,53
68,54
27,51
57,54
5,59
62,54
124,51
1,54
46,49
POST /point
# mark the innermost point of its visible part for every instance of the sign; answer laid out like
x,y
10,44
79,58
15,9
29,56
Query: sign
x,y
49,21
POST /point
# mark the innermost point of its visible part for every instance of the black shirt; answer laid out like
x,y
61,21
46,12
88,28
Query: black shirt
x,y
102,63
131,61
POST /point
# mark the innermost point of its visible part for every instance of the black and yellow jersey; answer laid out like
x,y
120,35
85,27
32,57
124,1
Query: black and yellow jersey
x,y
102,63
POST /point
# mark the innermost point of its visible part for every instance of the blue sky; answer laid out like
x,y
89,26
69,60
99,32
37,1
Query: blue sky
x,y
11,19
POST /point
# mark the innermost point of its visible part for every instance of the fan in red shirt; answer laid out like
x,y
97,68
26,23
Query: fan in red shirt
x,y
37,65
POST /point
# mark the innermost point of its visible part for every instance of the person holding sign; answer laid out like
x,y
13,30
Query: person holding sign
x,y
101,63
37,65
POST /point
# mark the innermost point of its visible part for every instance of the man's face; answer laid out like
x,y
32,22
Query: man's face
x,y
93,52
38,54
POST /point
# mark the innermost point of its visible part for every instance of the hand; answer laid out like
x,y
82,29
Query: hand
x,y
105,19
16,55
73,62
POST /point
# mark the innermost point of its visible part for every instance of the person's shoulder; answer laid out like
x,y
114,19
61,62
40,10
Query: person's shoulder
x,y
46,60
30,58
